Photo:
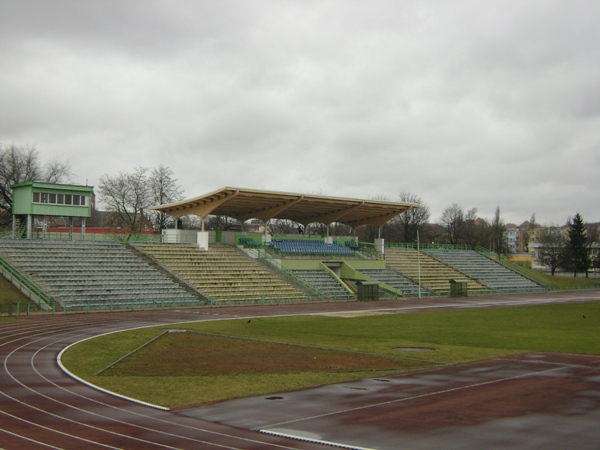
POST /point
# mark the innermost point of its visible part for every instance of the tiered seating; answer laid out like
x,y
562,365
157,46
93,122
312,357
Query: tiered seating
x,y
309,247
322,282
222,273
397,281
485,270
434,275
79,274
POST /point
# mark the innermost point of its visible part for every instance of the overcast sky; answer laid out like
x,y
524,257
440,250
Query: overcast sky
x,y
480,103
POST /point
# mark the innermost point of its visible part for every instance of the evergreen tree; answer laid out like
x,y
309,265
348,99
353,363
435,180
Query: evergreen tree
x,y
577,249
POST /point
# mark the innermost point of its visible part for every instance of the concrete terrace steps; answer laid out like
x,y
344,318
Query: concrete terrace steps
x,y
487,271
84,272
322,282
222,273
434,275
397,281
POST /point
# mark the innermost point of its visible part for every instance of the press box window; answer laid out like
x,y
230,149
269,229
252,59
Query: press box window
x,y
60,199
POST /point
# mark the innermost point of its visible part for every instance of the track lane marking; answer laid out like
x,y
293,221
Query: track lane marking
x,y
172,423
414,397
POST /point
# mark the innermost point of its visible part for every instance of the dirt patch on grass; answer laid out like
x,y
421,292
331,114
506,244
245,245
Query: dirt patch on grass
x,y
193,354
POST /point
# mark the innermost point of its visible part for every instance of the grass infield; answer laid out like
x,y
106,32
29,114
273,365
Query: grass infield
x,y
220,360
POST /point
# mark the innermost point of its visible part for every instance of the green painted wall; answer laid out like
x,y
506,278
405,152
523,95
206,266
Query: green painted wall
x,y
301,264
23,200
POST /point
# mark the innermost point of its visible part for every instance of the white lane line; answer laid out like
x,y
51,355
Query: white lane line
x,y
169,422
28,439
314,440
414,397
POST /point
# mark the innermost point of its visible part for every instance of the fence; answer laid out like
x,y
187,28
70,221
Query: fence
x,y
22,308
90,235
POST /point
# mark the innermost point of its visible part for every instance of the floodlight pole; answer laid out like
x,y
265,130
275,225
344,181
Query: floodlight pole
x,y
419,262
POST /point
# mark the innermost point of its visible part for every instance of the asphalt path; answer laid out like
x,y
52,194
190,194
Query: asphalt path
x,y
43,407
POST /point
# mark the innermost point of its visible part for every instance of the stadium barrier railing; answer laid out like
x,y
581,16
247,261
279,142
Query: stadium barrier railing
x,y
34,292
22,308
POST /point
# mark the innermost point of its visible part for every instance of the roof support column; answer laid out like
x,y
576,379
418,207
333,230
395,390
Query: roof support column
x,y
29,226
380,243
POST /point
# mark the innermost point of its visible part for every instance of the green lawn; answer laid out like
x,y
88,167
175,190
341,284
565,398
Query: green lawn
x,y
9,295
453,336
570,282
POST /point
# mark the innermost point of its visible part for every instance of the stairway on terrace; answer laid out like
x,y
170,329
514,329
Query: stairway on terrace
x,y
397,281
222,273
81,274
323,283
485,270
434,274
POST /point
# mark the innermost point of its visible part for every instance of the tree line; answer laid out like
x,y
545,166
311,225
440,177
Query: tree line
x,y
570,251
127,197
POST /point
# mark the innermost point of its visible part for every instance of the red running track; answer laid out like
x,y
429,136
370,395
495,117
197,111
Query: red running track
x,y
42,407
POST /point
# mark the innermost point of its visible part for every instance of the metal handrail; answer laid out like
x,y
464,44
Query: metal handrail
x,y
413,246
44,300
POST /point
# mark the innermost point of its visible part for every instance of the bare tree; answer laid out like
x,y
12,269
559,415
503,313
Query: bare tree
x,y
477,231
411,221
224,223
164,190
191,222
56,171
470,228
127,195
497,233
453,220
552,248
282,226
21,165
526,234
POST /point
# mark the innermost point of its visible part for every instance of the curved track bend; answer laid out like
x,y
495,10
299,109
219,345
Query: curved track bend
x,y
41,407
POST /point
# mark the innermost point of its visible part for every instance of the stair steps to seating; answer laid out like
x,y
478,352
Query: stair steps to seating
x,y
322,282
397,281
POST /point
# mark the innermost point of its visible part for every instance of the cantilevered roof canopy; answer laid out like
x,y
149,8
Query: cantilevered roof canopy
x,y
244,204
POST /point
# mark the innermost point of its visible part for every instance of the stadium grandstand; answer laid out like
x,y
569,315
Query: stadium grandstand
x,y
185,267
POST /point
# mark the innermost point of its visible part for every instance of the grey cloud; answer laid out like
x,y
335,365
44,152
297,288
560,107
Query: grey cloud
x,y
480,103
